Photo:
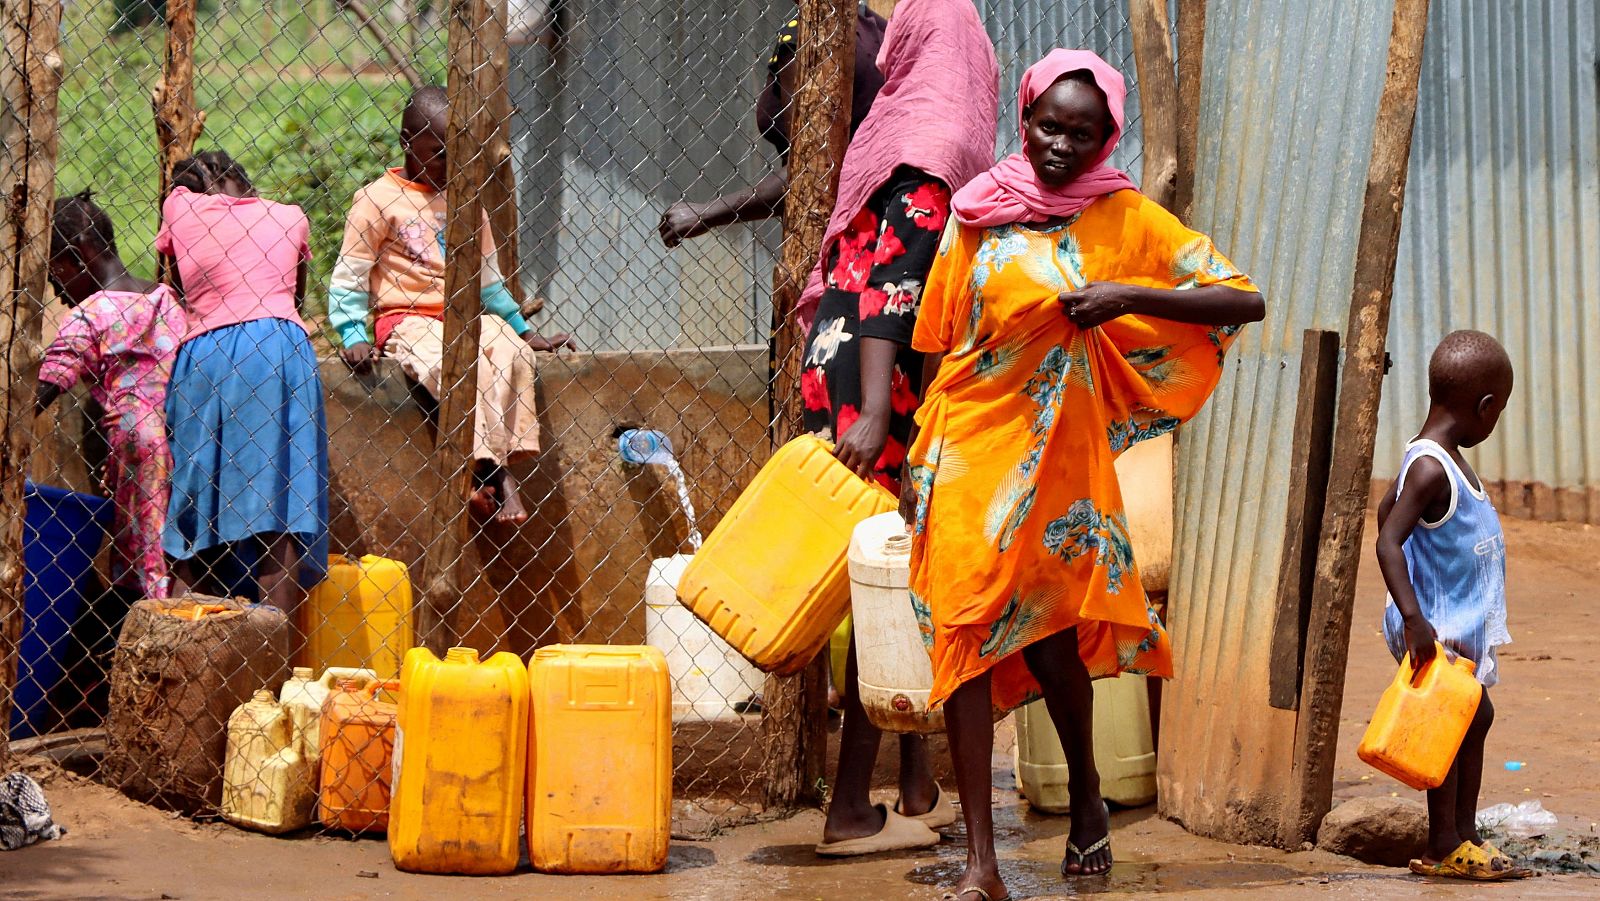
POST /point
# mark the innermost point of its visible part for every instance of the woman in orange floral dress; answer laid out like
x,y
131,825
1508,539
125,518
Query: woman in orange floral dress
x,y
1066,318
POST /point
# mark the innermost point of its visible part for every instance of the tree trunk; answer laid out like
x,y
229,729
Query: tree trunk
x,y
178,121
1158,98
31,80
450,555
795,719
1361,387
1191,63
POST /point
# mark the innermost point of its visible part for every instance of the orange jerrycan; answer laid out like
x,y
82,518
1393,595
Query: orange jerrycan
x,y
459,762
771,579
600,760
1421,720
359,616
357,754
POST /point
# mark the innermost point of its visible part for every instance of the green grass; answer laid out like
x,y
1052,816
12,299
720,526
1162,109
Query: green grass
x,y
278,96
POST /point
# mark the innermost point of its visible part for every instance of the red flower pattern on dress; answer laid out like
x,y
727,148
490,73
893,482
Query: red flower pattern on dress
x,y
855,257
929,206
813,390
872,302
902,399
888,248
846,418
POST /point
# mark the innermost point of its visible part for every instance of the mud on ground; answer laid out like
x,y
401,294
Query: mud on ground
x,y
1545,719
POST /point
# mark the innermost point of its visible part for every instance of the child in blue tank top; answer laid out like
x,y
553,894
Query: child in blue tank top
x,y
1444,560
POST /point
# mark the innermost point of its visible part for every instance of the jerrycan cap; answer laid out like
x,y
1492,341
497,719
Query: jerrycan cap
x,y
461,655
263,696
301,674
897,545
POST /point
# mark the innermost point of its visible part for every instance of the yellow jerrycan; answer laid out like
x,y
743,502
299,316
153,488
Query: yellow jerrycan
x,y
1123,750
600,760
359,616
266,780
1422,719
460,757
771,578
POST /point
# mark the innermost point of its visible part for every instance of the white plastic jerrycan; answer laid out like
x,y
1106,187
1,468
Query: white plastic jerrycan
x,y
1123,751
895,673
708,676
303,697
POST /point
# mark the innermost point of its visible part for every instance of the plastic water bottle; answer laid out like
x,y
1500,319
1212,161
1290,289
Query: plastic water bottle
x,y
645,446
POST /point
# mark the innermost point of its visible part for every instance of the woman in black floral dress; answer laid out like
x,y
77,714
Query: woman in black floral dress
x,y
861,378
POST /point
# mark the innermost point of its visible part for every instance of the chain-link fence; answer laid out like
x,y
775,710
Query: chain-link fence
x,y
621,453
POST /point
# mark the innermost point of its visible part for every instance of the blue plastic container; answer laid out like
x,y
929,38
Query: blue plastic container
x,y
61,533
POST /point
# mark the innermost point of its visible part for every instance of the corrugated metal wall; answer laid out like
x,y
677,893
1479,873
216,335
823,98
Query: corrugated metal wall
x,y
1288,104
1502,233
653,100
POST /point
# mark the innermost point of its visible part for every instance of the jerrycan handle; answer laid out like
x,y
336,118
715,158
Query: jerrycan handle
x,y
392,686
1415,677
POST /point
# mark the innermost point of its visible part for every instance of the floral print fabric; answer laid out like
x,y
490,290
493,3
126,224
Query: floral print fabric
x,y
123,344
874,275
1020,526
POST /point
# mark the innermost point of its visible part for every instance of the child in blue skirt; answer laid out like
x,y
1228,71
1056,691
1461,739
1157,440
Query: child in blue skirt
x,y
245,414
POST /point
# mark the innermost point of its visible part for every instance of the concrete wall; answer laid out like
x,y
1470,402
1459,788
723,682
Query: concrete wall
x,y
576,571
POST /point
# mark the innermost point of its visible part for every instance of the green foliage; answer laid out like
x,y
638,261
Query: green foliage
x,y
278,95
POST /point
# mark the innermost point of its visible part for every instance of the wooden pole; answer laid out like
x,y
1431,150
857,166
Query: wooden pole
x,y
794,721
1158,98
1361,387
31,80
1191,63
500,192
471,129
178,121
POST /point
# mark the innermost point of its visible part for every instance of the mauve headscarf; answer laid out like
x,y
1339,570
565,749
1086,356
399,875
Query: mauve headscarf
x,y
1011,191
936,112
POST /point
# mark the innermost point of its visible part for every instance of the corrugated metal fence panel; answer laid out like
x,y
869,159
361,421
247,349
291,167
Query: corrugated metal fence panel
x,y
654,100
1501,231
1288,105
1024,32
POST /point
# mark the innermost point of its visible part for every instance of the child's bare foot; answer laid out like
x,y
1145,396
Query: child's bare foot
x,y
496,498
512,512
483,503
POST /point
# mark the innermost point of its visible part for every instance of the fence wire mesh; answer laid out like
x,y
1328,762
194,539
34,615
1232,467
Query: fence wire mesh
x,y
618,110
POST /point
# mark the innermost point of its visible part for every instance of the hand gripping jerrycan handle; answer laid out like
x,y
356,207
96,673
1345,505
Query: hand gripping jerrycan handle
x,y
1413,679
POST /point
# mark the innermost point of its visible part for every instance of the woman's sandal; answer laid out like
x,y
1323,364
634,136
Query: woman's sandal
x,y
1470,862
1083,855
982,895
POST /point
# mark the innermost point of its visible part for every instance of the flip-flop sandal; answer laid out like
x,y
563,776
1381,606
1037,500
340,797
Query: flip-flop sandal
x,y
1083,855
1495,854
1467,861
898,834
982,895
940,815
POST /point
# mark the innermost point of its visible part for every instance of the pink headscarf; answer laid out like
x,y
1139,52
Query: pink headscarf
x,y
1011,192
936,112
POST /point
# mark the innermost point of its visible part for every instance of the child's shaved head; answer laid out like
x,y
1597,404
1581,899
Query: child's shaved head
x,y
1466,367
427,110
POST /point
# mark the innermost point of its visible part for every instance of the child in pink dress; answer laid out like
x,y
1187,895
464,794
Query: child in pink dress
x,y
122,337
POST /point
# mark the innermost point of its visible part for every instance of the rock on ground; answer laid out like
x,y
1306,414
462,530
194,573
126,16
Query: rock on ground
x,y
1385,831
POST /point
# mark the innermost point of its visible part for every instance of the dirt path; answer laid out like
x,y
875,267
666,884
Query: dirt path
x,y
121,850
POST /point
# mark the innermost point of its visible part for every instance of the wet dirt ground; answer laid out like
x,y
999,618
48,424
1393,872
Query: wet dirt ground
x,y
1546,720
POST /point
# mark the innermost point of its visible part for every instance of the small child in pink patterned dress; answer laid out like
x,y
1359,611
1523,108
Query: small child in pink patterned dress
x,y
122,337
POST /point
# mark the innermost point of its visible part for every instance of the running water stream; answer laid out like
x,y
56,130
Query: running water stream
x,y
648,447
